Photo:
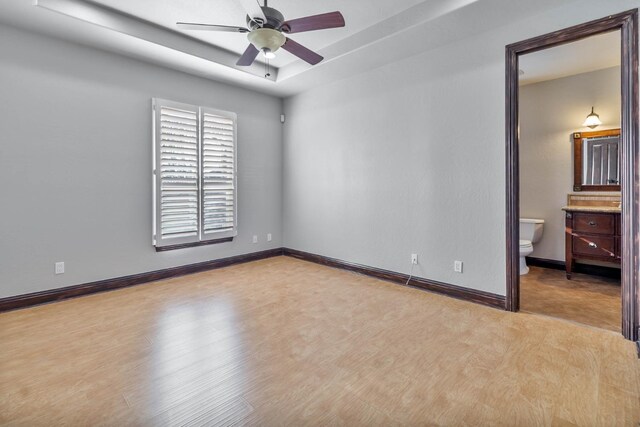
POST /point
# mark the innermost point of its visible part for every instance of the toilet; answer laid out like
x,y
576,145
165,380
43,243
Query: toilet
x,y
530,233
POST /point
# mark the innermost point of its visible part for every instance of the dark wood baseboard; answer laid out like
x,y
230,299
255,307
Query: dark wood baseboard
x,y
36,298
472,295
43,297
594,270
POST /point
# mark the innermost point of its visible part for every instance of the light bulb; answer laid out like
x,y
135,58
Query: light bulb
x,y
268,53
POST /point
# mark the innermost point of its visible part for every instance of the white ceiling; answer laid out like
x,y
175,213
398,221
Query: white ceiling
x,y
590,54
359,14
144,29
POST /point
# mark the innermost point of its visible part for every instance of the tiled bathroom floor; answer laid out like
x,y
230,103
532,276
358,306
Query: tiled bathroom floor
x,y
591,300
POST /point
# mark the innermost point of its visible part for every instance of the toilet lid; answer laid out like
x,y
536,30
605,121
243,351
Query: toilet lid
x,y
525,243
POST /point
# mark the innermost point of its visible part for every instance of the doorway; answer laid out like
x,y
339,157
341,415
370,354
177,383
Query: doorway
x,y
629,237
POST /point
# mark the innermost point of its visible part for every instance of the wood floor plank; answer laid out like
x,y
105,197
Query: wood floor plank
x,y
286,342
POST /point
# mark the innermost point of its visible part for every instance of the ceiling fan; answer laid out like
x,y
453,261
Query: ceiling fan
x,y
266,29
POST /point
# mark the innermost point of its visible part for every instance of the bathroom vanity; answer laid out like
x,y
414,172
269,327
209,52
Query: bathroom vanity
x,y
592,229
593,210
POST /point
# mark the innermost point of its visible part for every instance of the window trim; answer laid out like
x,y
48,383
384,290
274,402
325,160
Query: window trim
x,y
199,239
193,244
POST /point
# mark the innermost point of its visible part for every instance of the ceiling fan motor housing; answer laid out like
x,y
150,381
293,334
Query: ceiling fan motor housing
x,y
274,19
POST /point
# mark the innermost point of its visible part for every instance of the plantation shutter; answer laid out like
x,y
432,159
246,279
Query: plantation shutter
x,y
177,173
194,164
218,178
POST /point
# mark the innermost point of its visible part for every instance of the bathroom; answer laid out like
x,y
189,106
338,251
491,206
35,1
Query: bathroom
x,y
569,124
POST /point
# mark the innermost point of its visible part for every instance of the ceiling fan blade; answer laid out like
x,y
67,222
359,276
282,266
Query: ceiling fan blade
x,y
302,52
210,27
248,56
253,9
315,22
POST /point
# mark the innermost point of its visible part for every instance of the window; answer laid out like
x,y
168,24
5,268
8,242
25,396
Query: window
x,y
194,167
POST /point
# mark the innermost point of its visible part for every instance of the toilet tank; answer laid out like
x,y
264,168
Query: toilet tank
x,y
531,229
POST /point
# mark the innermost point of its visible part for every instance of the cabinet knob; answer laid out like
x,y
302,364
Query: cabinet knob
x,y
593,245
592,223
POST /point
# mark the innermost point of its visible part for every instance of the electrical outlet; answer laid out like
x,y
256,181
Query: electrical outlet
x,y
255,239
414,258
457,266
269,237
59,267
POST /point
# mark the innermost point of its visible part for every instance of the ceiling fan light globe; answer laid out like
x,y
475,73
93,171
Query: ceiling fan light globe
x,y
266,38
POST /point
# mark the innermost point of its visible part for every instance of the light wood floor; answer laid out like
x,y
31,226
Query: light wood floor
x,y
586,299
286,342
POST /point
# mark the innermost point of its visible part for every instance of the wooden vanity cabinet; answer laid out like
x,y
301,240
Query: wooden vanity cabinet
x,y
592,236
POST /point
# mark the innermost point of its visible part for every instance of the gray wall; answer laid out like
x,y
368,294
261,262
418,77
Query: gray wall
x,y
406,158
75,163
409,158
549,113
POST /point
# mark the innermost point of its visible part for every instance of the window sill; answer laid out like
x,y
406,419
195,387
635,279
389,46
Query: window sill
x,y
193,244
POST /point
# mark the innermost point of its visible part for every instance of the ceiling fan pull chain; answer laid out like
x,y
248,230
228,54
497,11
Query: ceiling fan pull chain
x,y
267,74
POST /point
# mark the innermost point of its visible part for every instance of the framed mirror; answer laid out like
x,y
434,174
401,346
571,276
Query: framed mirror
x,y
596,160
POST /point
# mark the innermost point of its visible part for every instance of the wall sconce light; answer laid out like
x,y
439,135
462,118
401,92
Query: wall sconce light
x,y
593,120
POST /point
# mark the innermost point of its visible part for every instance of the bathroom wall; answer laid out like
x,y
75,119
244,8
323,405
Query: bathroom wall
x,y
550,112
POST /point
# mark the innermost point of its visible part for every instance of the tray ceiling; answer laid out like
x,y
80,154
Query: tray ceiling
x,y
377,32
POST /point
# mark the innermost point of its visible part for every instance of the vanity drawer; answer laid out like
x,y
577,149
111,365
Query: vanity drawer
x,y
600,246
594,223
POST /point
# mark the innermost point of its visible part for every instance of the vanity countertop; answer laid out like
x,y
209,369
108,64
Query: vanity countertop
x,y
604,209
